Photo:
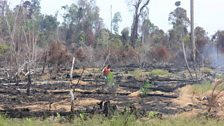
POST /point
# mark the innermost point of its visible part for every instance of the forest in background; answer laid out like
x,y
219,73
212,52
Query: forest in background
x,y
28,36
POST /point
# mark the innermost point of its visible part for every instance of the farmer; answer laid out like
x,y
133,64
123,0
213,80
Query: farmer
x,y
106,71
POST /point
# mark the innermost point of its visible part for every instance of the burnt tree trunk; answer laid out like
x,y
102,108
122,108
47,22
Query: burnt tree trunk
x,y
45,62
17,79
185,59
134,30
28,83
138,12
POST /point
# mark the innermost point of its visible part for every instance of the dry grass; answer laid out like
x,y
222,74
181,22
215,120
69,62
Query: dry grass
x,y
185,96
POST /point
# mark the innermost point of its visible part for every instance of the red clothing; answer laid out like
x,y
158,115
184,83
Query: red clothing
x,y
106,71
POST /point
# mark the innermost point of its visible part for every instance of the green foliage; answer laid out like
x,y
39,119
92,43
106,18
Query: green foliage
x,y
103,38
24,122
159,72
178,18
115,43
152,33
145,88
153,114
125,35
3,48
206,86
81,19
82,116
81,39
202,88
3,121
123,120
137,73
218,38
119,120
116,19
206,70
48,27
110,79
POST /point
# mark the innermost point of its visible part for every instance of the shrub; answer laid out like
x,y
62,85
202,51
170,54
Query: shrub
x,y
85,56
81,54
145,88
160,54
58,54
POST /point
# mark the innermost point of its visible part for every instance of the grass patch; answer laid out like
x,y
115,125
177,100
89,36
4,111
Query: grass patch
x,y
119,120
202,88
205,86
3,48
180,121
25,122
159,72
206,70
137,73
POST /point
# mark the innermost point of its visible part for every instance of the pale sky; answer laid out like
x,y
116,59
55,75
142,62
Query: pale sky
x,y
208,13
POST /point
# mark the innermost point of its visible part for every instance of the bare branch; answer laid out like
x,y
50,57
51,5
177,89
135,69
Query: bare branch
x,y
144,5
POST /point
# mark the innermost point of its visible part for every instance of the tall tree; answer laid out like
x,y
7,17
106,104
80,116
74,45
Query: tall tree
x,y
178,18
23,29
140,10
218,38
180,22
125,35
147,28
116,19
82,21
201,38
48,29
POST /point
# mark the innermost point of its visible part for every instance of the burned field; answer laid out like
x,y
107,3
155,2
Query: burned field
x,y
50,93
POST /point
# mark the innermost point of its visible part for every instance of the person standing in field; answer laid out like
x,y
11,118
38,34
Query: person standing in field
x,y
109,79
106,71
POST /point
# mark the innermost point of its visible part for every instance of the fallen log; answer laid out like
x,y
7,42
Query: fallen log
x,y
85,92
172,79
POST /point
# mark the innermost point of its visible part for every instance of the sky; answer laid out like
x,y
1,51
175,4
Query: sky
x,y
208,13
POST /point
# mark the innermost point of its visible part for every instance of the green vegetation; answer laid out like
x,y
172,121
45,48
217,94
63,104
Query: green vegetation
x,y
153,114
206,70
159,72
206,86
202,88
110,79
3,48
24,122
137,73
122,120
145,88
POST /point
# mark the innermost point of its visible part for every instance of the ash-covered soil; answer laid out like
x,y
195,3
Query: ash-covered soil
x,y
50,93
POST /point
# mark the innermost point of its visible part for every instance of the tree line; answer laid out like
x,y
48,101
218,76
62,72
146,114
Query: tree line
x,y
29,37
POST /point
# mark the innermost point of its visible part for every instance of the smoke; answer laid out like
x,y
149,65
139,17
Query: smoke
x,y
213,56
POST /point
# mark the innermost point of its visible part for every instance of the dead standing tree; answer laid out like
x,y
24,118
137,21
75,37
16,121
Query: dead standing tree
x,y
23,31
140,9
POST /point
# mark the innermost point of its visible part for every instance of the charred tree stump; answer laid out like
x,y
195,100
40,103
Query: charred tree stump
x,y
45,62
29,83
107,109
17,80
